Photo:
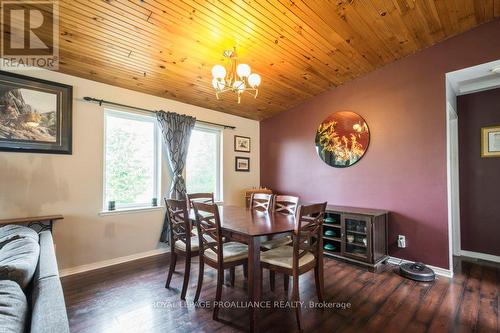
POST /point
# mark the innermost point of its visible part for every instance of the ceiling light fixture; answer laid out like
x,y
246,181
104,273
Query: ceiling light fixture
x,y
237,79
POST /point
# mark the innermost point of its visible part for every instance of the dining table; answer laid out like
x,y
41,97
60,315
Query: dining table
x,y
247,226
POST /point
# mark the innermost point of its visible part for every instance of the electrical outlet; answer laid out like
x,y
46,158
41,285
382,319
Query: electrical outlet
x,y
401,241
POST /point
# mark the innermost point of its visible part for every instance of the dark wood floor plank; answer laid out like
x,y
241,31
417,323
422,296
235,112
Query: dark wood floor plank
x,y
131,298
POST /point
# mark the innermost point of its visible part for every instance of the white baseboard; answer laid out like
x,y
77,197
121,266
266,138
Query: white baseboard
x,y
105,263
478,255
438,270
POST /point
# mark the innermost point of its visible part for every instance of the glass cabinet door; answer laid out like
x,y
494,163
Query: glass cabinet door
x,y
356,237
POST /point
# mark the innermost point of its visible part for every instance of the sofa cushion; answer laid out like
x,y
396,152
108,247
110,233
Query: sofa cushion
x,y
18,260
48,307
47,263
13,308
11,231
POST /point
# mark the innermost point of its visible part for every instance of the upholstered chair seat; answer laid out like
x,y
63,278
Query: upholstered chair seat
x,y
180,245
283,256
232,251
274,243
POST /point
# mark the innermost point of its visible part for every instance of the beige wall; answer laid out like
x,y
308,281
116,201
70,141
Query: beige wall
x,y
42,184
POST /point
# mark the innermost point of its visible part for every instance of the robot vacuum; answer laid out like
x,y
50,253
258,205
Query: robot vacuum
x,y
417,271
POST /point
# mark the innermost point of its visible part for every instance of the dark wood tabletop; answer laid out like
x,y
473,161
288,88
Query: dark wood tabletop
x,y
251,222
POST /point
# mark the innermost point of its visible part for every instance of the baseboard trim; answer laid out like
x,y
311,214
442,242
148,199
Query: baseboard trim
x,y
438,270
111,262
478,255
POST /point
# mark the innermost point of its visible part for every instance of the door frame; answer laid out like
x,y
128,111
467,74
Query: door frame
x,y
453,182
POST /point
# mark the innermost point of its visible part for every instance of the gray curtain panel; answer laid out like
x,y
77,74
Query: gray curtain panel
x,y
176,130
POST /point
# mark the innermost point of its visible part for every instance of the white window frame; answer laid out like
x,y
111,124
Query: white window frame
x,y
218,194
138,116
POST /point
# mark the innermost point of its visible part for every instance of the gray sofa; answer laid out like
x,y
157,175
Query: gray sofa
x,y
31,295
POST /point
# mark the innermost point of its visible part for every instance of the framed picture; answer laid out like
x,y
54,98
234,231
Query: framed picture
x,y
242,144
35,115
490,141
242,164
342,139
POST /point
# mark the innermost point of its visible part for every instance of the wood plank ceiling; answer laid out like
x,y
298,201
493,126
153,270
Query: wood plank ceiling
x,y
300,48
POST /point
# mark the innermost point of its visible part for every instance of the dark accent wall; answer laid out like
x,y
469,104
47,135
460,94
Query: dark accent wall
x,y
404,170
479,177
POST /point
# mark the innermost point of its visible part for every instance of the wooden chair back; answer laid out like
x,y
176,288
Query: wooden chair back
x,y
286,204
209,228
307,236
178,219
207,198
261,201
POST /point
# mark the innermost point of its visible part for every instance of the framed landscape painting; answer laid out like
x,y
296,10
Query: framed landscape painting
x,y
35,115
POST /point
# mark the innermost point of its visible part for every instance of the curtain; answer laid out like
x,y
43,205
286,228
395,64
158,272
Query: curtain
x,y
176,130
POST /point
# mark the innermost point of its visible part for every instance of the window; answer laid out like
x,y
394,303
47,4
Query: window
x,y
203,166
132,155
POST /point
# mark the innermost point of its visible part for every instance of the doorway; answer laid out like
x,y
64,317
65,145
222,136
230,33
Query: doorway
x,y
463,82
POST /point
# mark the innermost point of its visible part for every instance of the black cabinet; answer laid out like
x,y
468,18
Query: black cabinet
x,y
356,234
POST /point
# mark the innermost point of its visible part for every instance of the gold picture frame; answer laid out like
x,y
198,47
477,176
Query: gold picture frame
x,y
490,141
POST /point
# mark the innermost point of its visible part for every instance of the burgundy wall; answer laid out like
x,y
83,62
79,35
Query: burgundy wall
x,y
404,169
479,177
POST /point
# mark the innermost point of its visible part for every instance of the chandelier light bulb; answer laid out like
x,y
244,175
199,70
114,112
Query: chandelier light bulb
x,y
218,72
239,86
254,80
218,84
243,70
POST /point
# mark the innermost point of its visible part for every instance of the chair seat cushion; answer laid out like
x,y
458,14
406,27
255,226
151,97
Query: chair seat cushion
x,y
180,245
231,251
277,242
283,257
13,307
18,260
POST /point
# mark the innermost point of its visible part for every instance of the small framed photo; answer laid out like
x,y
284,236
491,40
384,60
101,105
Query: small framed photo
x,y
35,115
242,144
242,164
490,141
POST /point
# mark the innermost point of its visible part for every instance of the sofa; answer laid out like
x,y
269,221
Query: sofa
x,y
31,295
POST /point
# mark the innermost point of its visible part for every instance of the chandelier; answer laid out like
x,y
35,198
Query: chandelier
x,y
237,79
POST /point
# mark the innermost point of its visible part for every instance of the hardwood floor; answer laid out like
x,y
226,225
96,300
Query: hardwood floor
x,y
131,298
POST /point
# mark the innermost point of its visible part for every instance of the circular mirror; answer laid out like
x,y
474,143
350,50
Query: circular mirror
x,y
342,139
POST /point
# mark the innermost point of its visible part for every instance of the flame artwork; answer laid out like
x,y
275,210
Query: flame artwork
x,y
342,139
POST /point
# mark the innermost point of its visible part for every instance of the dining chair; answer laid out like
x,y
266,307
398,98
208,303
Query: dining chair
x,y
182,241
261,201
304,255
199,197
282,204
213,251
285,204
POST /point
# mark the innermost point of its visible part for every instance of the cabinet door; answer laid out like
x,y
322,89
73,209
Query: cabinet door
x,y
356,235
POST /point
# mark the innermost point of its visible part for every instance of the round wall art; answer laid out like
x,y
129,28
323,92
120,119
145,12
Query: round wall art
x,y
342,139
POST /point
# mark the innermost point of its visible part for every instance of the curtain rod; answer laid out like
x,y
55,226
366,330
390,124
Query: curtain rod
x,y
102,101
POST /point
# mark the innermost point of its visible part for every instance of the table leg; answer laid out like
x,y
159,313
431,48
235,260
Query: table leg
x,y
254,280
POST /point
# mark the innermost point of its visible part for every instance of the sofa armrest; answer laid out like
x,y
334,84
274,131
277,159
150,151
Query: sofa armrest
x,y
48,308
47,262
